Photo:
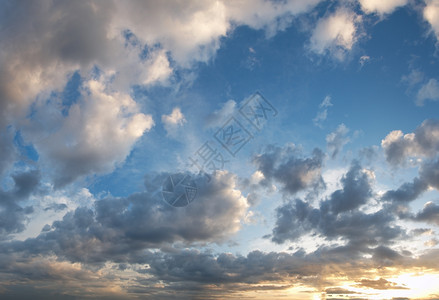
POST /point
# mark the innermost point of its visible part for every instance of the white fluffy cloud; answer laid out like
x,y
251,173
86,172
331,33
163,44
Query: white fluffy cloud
x,y
191,31
335,34
423,142
173,120
431,14
137,42
381,6
97,134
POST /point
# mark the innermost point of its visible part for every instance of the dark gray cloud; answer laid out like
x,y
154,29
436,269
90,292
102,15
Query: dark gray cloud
x,y
194,274
12,213
339,216
355,192
237,272
430,213
423,142
56,207
409,191
7,150
287,166
117,226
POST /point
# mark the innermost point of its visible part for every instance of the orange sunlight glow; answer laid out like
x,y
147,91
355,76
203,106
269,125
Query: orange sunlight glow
x,y
412,285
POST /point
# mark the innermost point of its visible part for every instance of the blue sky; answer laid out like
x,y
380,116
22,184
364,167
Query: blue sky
x,y
336,195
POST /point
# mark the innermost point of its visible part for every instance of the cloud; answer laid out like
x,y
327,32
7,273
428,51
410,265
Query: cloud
x,y
216,118
185,273
95,136
429,91
135,43
7,150
192,31
337,139
335,34
364,59
381,7
322,114
339,291
380,284
430,213
356,190
13,215
413,78
173,121
116,227
423,142
409,191
339,216
286,166
431,14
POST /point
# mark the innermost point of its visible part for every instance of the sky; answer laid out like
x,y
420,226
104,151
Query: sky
x,y
219,149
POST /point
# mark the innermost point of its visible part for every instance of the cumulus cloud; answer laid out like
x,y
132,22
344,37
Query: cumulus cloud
x,y
428,178
7,151
116,226
192,31
173,121
13,214
429,91
137,43
97,133
407,192
339,216
381,7
286,166
335,34
431,14
430,213
423,142
336,140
